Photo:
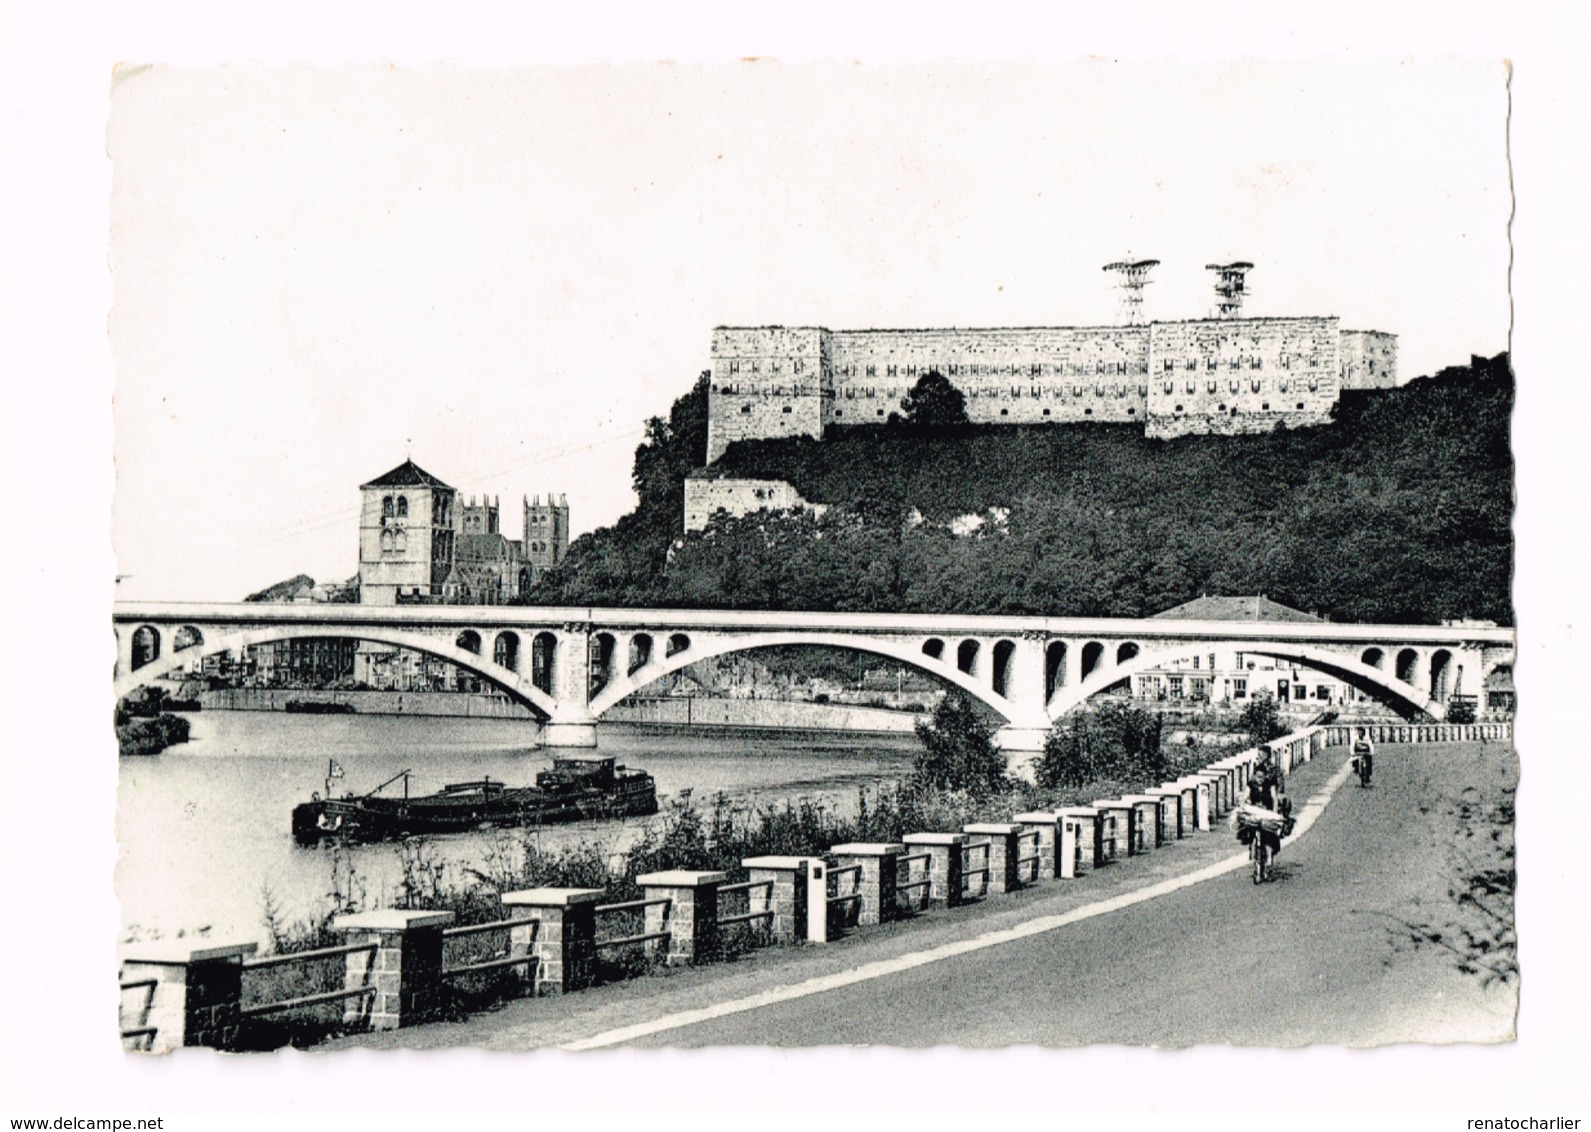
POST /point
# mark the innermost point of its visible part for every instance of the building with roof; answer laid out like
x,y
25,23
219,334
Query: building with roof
x,y
1230,677
408,536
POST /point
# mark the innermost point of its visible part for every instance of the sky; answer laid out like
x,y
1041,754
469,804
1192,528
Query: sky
x,y
503,272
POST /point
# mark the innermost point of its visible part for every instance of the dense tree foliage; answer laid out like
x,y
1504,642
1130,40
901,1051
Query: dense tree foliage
x,y
958,750
1262,719
1399,511
1116,740
934,404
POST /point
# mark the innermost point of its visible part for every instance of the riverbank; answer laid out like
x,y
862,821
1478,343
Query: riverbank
x,y
672,712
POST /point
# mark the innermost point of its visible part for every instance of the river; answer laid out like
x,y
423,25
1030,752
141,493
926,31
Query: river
x,y
204,826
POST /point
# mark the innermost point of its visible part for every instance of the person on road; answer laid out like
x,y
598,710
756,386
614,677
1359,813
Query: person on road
x,y
1265,791
1364,751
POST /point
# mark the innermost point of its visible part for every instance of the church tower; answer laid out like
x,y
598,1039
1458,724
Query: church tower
x,y
546,532
406,536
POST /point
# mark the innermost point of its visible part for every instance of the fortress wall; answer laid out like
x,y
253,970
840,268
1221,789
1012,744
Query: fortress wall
x,y
1225,376
704,498
1241,376
768,381
1023,375
1368,359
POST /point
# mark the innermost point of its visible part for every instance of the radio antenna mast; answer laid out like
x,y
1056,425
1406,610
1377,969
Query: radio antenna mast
x,y
1132,276
1230,287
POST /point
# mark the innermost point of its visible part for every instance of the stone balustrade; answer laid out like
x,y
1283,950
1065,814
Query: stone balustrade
x,y
181,993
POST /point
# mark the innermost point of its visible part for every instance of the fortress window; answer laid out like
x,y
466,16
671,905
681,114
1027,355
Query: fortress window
x,y
1088,412
881,412
786,409
1179,408
872,371
1168,365
777,366
745,408
1300,404
1131,412
1193,364
1005,412
1047,412
386,507
1265,405
734,367
911,371
1220,408
890,371
795,366
838,413
403,506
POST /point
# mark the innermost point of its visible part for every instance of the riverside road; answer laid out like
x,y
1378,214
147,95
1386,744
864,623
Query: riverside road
x,y
1309,958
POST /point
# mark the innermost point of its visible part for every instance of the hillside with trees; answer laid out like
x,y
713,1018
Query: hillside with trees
x,y
1398,511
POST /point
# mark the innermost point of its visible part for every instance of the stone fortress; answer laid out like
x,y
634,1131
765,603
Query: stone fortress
x,y
1224,374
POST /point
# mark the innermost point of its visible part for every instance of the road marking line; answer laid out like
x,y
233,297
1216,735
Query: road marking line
x,y
884,967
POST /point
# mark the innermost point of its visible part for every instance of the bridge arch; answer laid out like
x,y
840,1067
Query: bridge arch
x,y
517,686
907,653
1337,664
145,646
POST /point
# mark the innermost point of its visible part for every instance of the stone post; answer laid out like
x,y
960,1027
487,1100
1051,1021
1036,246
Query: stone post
x,y
562,937
198,991
1146,822
1200,808
1080,841
691,917
818,906
1116,833
1048,827
1173,826
787,898
944,864
1215,791
880,868
406,969
1004,875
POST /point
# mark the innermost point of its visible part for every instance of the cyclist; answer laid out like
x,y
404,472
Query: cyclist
x,y
1364,751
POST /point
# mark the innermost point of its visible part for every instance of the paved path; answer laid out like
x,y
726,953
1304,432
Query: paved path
x,y
1144,952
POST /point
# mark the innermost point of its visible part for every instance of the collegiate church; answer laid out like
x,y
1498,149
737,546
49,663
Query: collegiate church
x,y
419,542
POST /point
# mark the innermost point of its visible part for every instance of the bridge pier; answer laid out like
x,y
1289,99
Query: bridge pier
x,y
1022,746
569,733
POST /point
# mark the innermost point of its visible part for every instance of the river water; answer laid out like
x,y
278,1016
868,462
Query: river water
x,y
204,826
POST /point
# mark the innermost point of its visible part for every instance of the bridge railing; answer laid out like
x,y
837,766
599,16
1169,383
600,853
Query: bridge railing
x,y
397,968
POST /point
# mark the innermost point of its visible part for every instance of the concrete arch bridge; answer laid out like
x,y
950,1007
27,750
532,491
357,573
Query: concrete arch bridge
x,y
570,665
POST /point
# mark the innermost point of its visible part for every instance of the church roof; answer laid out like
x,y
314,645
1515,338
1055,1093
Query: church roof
x,y
407,474
480,547
1254,607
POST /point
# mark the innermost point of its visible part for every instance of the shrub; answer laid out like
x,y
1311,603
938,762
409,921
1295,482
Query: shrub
x,y
958,750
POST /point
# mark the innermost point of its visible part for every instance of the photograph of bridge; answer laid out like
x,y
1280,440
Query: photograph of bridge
x,y
902,685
